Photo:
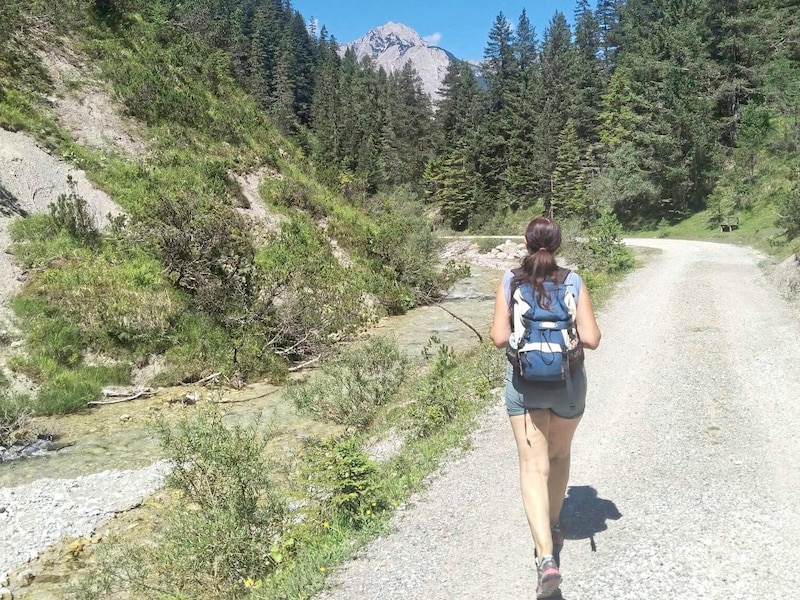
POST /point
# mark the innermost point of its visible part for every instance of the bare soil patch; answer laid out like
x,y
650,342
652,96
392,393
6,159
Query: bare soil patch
x,y
85,107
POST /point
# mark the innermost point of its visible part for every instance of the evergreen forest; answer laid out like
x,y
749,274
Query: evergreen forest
x,y
651,110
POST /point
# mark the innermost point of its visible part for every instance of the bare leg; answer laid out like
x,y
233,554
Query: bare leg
x,y
530,433
559,436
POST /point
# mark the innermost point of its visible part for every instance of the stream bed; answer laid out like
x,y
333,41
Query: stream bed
x,y
120,436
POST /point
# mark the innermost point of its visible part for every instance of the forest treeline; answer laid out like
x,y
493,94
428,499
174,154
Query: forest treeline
x,y
654,110
638,112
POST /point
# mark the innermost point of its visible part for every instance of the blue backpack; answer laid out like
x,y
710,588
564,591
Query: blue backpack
x,y
544,344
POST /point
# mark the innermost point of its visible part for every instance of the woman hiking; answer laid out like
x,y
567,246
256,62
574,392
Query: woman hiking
x,y
544,414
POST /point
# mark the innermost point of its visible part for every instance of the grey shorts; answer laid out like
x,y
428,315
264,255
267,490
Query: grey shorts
x,y
523,396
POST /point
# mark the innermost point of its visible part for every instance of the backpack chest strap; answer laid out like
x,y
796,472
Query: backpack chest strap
x,y
540,325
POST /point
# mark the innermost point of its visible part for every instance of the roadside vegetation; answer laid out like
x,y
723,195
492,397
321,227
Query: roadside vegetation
x,y
250,521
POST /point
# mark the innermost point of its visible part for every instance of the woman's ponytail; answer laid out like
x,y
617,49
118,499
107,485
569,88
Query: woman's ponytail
x,y
543,239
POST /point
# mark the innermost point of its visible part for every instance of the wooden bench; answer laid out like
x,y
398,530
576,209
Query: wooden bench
x,y
729,223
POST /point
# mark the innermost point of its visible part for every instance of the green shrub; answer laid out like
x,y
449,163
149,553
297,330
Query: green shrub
x,y
454,385
310,299
222,470
789,212
487,244
607,252
340,482
227,529
38,241
353,386
15,414
440,396
71,213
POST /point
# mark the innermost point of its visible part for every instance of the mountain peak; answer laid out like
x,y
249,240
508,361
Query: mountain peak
x,y
392,45
398,31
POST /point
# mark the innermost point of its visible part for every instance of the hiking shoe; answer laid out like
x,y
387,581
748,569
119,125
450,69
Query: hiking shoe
x,y
549,577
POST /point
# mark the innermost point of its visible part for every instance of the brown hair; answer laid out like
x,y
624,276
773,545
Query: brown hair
x,y
543,239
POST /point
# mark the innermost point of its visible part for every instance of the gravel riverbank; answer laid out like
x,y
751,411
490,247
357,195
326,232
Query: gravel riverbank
x,y
39,514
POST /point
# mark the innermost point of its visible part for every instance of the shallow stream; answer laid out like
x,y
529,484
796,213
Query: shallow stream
x,y
120,436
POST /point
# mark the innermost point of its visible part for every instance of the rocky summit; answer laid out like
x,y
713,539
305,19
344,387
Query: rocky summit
x,y
392,45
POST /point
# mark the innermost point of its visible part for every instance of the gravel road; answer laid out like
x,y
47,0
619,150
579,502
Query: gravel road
x,y
685,468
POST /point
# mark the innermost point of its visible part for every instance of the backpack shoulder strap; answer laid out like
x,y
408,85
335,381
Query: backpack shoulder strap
x,y
515,273
563,274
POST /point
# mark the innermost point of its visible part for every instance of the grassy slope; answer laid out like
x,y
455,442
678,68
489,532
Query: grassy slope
x,y
201,126
756,228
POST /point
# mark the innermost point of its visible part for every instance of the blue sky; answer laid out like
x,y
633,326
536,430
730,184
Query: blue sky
x,y
461,27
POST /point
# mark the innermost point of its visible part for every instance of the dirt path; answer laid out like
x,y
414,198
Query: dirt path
x,y
684,476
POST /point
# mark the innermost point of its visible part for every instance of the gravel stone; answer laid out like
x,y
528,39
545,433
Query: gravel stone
x,y
39,514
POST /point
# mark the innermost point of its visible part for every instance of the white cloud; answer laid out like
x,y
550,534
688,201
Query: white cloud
x,y
433,39
313,25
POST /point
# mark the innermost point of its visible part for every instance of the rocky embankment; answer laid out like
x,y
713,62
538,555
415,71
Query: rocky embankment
x,y
506,255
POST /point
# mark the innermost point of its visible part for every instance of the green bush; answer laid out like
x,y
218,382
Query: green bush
x,y
440,395
353,386
606,250
15,414
38,242
454,386
228,528
221,470
312,300
71,213
789,212
340,482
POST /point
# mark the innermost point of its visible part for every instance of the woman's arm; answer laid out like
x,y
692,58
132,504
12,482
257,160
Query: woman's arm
x,y
501,324
586,322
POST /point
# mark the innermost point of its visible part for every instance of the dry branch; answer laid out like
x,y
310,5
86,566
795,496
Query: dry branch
x,y
120,396
456,317
204,380
304,365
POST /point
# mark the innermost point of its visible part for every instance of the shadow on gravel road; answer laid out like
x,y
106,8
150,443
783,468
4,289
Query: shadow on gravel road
x,y
9,205
584,514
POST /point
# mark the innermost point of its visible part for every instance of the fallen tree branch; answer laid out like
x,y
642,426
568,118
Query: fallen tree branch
x,y
229,401
119,392
457,318
118,400
204,380
304,365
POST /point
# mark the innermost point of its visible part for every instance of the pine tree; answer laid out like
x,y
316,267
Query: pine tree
x,y
282,96
587,69
450,183
499,67
406,128
558,85
567,181
459,106
326,105
609,14
525,47
301,47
